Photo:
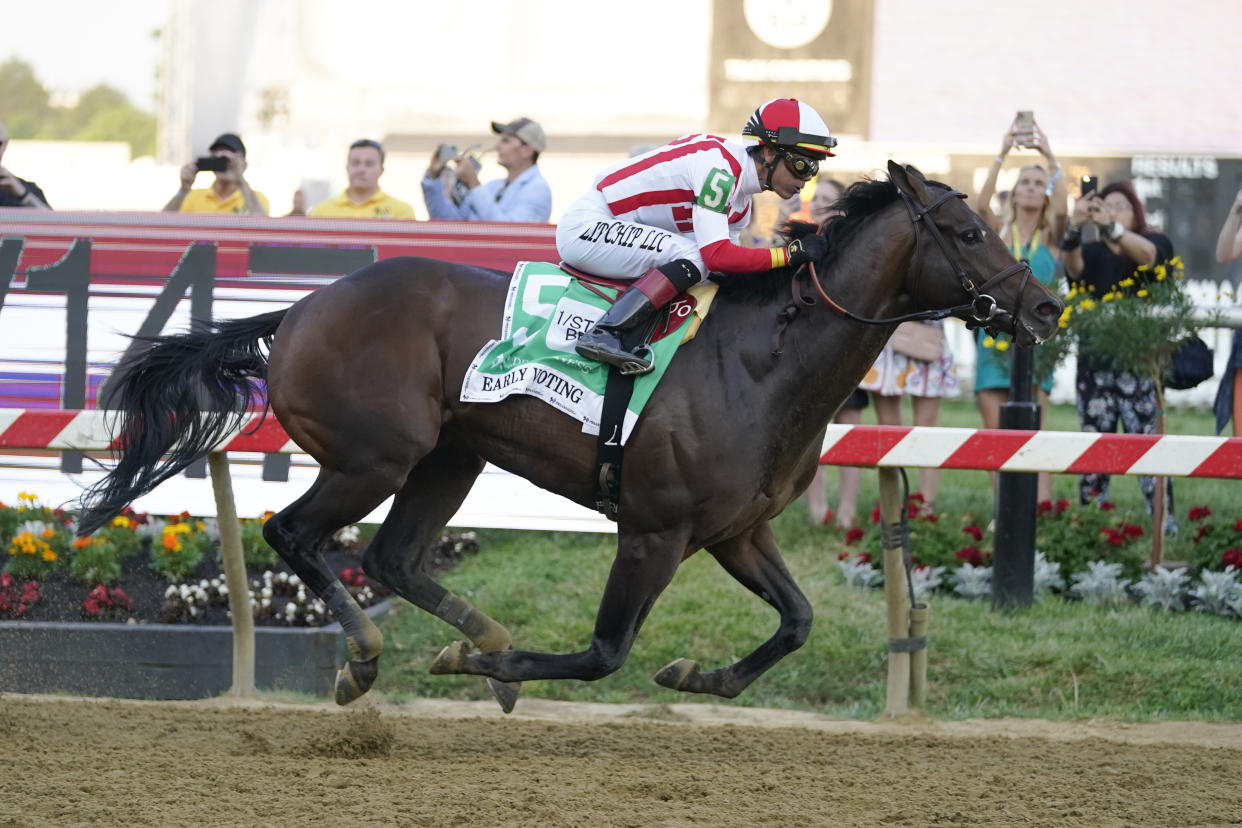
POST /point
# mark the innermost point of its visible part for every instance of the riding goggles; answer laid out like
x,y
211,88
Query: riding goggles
x,y
801,166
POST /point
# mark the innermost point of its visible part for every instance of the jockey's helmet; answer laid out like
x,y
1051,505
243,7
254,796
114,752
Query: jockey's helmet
x,y
791,125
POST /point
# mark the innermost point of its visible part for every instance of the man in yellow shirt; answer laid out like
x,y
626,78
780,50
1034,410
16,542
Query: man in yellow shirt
x,y
363,198
229,193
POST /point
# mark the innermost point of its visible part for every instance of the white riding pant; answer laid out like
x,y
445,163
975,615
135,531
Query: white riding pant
x,y
591,238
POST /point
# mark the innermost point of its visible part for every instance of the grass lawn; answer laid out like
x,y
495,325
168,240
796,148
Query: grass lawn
x,y
1054,660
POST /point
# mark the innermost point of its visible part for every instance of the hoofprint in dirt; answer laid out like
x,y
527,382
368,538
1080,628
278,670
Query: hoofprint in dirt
x,y
435,763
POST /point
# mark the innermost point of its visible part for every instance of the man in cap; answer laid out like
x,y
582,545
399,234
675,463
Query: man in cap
x,y
523,195
363,198
229,193
14,191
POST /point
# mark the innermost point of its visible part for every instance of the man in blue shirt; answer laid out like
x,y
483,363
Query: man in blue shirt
x,y
523,195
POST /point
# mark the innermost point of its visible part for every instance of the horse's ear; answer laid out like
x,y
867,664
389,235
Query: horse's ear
x,y
909,180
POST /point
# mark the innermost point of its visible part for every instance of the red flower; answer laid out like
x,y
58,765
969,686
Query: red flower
x,y
1199,512
863,557
1043,507
1237,526
1232,557
917,497
1107,506
1132,531
6,580
975,532
1062,505
1113,537
931,518
970,554
875,514
1203,530
853,535
843,556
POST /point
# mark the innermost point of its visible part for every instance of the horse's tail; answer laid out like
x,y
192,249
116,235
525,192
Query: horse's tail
x,y
175,401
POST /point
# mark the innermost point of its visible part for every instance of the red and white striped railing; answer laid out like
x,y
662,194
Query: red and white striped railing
x,y
1069,452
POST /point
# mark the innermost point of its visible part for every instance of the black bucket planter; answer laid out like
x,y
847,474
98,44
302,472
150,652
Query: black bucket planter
x,y
164,661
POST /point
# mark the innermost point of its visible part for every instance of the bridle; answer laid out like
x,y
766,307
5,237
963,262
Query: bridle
x,y
984,311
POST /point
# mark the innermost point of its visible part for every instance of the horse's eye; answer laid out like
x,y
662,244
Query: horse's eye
x,y
971,237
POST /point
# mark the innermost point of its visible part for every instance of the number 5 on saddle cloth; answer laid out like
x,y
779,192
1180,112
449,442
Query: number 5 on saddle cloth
x,y
546,310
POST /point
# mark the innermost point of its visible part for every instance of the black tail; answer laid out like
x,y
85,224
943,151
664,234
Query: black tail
x,y
175,401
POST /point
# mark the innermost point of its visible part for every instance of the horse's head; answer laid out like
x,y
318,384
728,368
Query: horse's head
x,y
960,263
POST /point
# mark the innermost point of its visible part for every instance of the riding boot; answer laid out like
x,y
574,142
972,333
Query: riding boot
x,y
633,308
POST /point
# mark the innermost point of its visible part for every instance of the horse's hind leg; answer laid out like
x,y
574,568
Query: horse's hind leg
x,y
298,532
397,554
755,561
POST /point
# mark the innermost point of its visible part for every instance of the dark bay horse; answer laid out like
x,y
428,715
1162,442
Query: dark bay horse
x,y
365,375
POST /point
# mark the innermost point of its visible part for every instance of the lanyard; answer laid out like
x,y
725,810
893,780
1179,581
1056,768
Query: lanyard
x,y
1019,250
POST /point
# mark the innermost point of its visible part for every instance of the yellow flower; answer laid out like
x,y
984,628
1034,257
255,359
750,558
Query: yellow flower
x,y
1002,345
49,555
49,533
1127,282
989,342
201,526
28,497
1086,304
121,520
1142,292
1110,296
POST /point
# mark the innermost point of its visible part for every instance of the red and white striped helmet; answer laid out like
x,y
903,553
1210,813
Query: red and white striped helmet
x,y
790,124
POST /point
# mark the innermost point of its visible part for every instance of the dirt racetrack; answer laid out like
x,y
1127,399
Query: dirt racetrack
x,y
75,761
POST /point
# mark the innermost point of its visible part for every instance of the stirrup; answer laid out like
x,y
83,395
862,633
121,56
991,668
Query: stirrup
x,y
638,362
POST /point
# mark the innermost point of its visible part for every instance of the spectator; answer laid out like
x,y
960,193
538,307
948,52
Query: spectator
x,y
1229,394
14,191
669,217
1032,228
523,195
363,198
229,193
898,374
1106,397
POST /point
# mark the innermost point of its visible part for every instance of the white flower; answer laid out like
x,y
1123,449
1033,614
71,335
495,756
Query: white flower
x,y
1047,574
970,581
1219,592
348,535
925,579
858,573
1163,588
1101,584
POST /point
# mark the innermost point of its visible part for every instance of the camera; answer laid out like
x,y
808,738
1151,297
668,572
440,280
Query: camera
x,y
212,163
1024,127
1090,183
447,153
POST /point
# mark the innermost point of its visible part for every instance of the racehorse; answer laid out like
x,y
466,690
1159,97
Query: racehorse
x,y
365,374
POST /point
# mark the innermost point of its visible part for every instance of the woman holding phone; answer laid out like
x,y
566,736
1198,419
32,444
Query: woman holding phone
x,y
1032,226
1106,397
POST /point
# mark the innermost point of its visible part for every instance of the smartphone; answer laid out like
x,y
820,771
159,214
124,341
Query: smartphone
x,y
212,163
1090,183
1024,127
447,153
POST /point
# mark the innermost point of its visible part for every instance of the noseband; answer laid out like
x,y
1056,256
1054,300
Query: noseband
x,y
983,310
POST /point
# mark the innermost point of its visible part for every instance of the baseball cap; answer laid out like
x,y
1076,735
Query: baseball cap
x,y
230,142
527,131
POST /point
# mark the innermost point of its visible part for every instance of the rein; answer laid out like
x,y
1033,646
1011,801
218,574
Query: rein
x,y
983,309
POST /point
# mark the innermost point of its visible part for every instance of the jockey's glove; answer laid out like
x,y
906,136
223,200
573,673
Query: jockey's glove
x,y
809,248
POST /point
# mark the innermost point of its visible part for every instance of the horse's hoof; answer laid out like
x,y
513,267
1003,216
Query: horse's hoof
x,y
355,678
506,693
450,659
676,675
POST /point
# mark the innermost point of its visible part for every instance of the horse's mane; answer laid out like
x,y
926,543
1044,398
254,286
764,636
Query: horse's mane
x,y
861,200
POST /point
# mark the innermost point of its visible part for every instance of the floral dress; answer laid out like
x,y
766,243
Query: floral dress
x,y
895,374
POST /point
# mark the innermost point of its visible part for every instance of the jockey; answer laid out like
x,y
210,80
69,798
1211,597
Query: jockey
x,y
672,215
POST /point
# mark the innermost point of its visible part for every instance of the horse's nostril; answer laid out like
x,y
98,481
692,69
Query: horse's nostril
x,y
1046,309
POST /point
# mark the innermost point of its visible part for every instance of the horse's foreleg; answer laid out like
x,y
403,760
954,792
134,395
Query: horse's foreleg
x,y
755,561
642,569
396,556
298,532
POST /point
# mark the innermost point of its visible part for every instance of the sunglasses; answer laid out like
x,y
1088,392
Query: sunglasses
x,y
801,166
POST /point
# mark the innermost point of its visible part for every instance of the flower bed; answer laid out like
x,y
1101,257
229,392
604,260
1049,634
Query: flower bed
x,y
1083,553
140,609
